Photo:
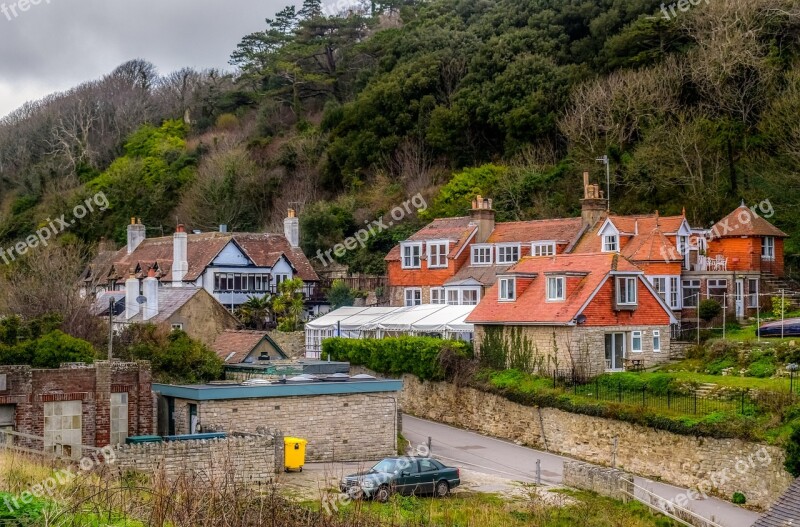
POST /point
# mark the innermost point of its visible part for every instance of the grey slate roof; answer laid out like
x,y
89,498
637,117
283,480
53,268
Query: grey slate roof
x,y
786,511
170,300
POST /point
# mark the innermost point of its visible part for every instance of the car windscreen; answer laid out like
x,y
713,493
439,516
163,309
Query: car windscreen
x,y
387,465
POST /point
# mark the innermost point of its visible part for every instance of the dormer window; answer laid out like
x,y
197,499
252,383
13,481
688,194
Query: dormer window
x,y
543,249
482,254
626,291
556,289
437,255
412,256
508,289
507,254
610,243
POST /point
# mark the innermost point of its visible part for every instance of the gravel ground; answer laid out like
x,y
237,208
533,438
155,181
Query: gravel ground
x,y
320,479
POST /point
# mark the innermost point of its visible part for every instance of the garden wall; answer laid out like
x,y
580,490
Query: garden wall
x,y
715,466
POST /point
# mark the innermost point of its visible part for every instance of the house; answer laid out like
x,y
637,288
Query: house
x,y
190,309
231,267
343,418
587,312
247,347
76,405
456,260
785,512
452,261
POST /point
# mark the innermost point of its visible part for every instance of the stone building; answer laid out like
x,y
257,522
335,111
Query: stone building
x,y
343,419
585,312
92,405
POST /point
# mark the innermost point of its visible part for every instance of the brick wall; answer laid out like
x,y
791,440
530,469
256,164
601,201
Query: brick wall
x,y
252,459
29,389
356,427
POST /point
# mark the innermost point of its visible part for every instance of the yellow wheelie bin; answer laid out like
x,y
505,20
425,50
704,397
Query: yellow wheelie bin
x,y
294,453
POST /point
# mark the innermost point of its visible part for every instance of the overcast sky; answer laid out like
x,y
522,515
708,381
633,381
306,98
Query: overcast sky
x,y
60,43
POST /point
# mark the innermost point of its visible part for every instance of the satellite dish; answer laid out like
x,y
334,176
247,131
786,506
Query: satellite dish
x,y
580,319
141,299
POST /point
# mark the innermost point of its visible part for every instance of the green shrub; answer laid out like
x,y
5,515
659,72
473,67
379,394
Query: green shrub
x,y
738,498
715,367
396,356
710,308
763,367
780,306
792,463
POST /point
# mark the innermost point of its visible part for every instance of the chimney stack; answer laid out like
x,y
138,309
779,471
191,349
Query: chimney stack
x,y
150,295
594,204
180,260
131,294
136,234
291,228
483,216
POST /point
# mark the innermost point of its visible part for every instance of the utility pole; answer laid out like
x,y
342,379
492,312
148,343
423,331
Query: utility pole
x,y
607,163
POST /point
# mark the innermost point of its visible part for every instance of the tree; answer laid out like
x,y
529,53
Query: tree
x,y
289,304
47,351
340,295
255,312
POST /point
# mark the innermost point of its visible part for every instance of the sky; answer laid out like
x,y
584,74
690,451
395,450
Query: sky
x,y
57,44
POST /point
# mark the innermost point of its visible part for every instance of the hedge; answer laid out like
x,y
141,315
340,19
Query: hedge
x,y
396,356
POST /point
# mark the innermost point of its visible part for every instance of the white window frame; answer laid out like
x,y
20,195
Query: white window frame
x,y
513,247
660,285
453,297
438,295
675,292
610,243
438,259
476,251
656,341
409,259
628,280
543,249
768,249
507,289
718,284
177,327
634,336
556,282
752,296
475,290
414,301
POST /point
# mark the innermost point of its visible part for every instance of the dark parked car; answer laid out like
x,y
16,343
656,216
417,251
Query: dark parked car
x,y
404,475
791,328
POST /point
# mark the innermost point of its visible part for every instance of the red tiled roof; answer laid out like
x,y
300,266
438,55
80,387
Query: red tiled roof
x,y
590,242
651,247
233,346
744,222
263,249
587,272
562,230
457,230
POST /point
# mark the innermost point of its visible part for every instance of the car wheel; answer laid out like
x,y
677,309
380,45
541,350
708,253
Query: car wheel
x,y
442,489
383,493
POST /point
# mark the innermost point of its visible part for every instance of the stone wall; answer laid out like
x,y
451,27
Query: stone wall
x,y
250,459
355,427
293,343
583,347
608,482
716,466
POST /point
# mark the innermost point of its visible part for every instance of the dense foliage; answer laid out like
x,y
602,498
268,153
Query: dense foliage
x,y
40,344
345,115
396,356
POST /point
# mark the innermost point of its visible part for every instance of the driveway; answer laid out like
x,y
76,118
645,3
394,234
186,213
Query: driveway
x,y
503,458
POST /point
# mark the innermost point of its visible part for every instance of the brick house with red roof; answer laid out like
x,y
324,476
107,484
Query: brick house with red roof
x,y
456,260
230,266
584,312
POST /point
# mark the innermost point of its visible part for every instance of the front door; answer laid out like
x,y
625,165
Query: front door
x,y
615,351
740,298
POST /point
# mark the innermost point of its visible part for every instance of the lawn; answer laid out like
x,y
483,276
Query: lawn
x,y
564,509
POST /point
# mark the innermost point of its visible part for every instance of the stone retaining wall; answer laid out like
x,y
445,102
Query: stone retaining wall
x,y
607,482
715,466
250,459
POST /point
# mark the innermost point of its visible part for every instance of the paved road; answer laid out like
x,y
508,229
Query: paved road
x,y
503,458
